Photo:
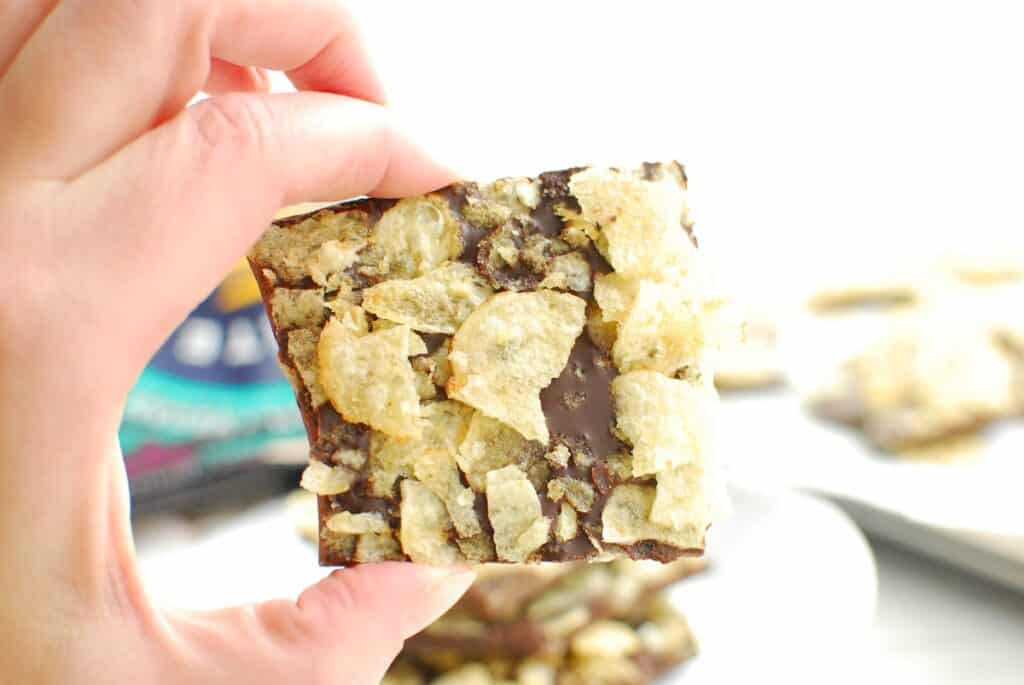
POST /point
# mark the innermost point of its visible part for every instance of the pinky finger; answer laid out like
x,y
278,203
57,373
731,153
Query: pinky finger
x,y
226,77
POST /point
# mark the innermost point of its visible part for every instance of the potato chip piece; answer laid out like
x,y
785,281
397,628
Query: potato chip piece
x,y
368,379
443,426
373,547
615,294
478,548
321,479
327,265
489,445
662,326
426,527
663,331
558,455
302,349
351,316
357,524
288,249
297,308
514,510
568,272
578,494
509,349
640,221
566,527
354,459
684,498
414,236
433,463
626,520
437,302
666,420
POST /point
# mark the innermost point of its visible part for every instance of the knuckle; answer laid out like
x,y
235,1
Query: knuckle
x,y
240,120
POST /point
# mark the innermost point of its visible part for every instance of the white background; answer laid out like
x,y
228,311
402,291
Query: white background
x,y
813,132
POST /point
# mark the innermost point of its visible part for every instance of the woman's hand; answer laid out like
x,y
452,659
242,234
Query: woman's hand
x,y
121,208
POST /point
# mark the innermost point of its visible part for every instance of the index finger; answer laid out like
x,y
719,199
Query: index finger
x,y
97,75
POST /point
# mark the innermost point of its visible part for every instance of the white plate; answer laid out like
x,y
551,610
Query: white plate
x,y
969,513
791,581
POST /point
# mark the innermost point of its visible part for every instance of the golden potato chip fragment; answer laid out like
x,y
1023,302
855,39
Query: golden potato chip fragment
x,y
297,308
373,547
328,264
626,520
640,221
514,510
436,302
288,249
489,445
321,479
684,497
369,379
414,236
661,326
668,421
566,526
357,524
509,349
426,526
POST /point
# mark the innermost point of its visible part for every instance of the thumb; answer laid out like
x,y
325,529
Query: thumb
x,y
347,628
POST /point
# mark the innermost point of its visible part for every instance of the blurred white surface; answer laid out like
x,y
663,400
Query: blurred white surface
x,y
814,133
939,626
779,443
791,589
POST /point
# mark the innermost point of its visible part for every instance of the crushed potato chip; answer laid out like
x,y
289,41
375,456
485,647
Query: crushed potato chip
x,y
302,348
615,294
357,524
566,527
528,192
297,308
288,249
351,316
682,498
377,547
354,459
640,221
435,467
328,263
626,520
368,379
426,526
321,479
558,455
514,510
443,427
489,445
577,493
667,420
415,236
663,331
509,349
437,302
478,548
568,272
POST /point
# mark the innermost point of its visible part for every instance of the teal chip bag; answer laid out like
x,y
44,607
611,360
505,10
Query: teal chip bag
x,y
213,397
